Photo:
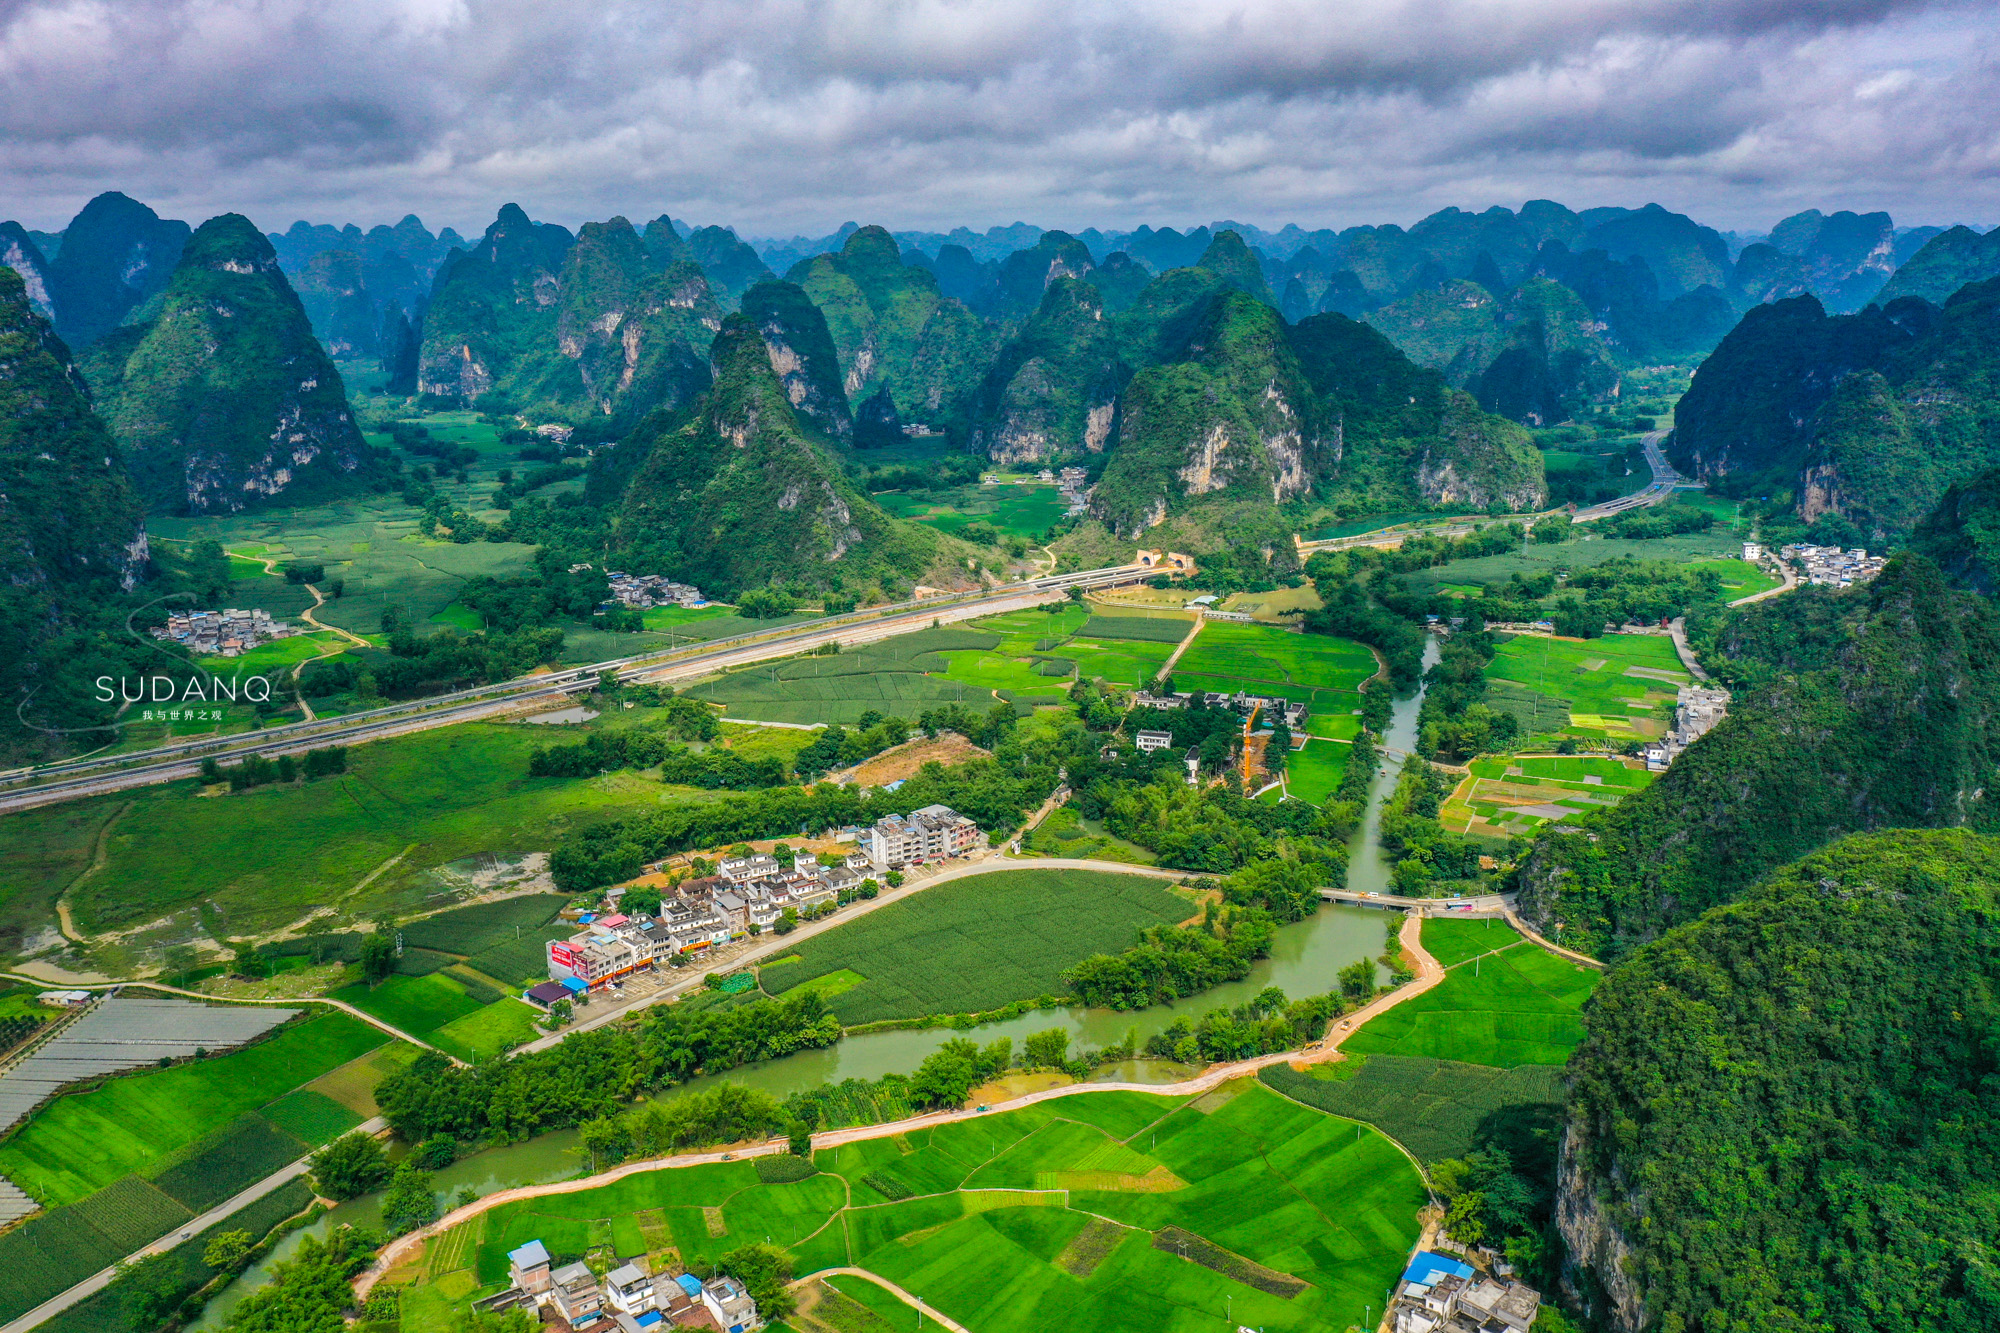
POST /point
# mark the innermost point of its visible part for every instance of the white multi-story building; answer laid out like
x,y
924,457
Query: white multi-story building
x,y
933,833
1149,741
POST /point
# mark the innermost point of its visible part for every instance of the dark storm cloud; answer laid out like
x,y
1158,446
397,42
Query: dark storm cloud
x,y
783,114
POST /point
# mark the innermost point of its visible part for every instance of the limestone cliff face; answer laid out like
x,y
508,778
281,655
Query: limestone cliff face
x,y
1053,388
1597,1272
221,395
485,305
1478,459
19,252
802,354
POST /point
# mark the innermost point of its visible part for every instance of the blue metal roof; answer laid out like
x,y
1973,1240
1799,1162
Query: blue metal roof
x,y
576,984
1427,1268
690,1284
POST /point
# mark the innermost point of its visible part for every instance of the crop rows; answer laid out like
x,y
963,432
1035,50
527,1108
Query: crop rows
x,y
1144,628
238,1156
980,943
1432,1107
468,930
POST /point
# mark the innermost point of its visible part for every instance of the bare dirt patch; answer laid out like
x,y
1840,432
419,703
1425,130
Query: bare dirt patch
x,y
904,760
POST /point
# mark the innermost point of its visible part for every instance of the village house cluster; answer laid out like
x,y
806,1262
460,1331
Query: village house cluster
x,y
744,894
1439,1294
1270,706
628,1299
1695,714
1829,566
649,590
227,633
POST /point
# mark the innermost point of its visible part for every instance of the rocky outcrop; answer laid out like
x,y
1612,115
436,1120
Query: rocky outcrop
x,y
1597,1273
802,354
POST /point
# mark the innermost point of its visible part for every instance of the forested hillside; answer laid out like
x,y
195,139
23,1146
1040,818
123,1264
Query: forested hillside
x,y
1877,707
1781,1114
1868,417
220,394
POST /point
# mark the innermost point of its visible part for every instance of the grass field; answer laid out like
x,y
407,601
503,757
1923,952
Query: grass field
x,y
1740,578
1432,1107
900,677
1321,672
1312,774
1023,509
419,1006
85,1141
1619,688
980,942
1291,1219
1716,544
428,799
488,1031
1519,1006
1509,796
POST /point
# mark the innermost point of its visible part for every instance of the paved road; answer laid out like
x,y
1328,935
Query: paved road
x,y
1485,904
103,773
1665,481
96,1282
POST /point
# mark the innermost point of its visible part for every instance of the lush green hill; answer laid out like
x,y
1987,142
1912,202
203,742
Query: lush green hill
x,y
894,332
115,254
802,354
1878,707
335,294
1053,388
220,394
70,526
1947,262
1781,1113
1963,534
734,494
491,305
1867,416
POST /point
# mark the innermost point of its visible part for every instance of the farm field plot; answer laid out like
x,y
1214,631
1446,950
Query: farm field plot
x,y
1503,797
429,798
484,1033
1431,1107
1141,628
1290,1219
1716,544
890,677
416,1005
1313,773
1621,687
1020,509
80,1143
1279,657
700,624
1517,1007
1740,578
980,942
1120,661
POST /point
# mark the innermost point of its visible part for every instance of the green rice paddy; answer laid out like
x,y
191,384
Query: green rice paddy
x,y
1019,509
1519,1006
1619,688
1108,1211
82,1142
977,943
1313,773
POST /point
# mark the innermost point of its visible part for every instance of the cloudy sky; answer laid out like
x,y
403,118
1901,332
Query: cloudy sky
x,y
783,116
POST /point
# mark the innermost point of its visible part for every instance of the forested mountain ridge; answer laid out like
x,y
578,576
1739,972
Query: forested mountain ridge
x,y
1875,707
115,254
734,494
1868,416
1781,1113
220,394
71,530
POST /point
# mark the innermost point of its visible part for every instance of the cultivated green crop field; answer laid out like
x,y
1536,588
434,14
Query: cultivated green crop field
x,y
1277,657
1512,795
1312,774
1716,544
80,1143
980,942
1432,1107
1026,510
1620,687
428,798
1069,1215
1740,578
1520,1006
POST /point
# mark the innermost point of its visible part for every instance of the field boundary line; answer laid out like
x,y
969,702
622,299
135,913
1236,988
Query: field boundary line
x,y
99,856
1514,920
379,871
916,1302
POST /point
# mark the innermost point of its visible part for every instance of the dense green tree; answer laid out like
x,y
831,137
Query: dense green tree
x,y
349,1167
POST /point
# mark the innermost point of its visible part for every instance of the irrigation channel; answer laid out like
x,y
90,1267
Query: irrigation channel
x,y
1304,960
